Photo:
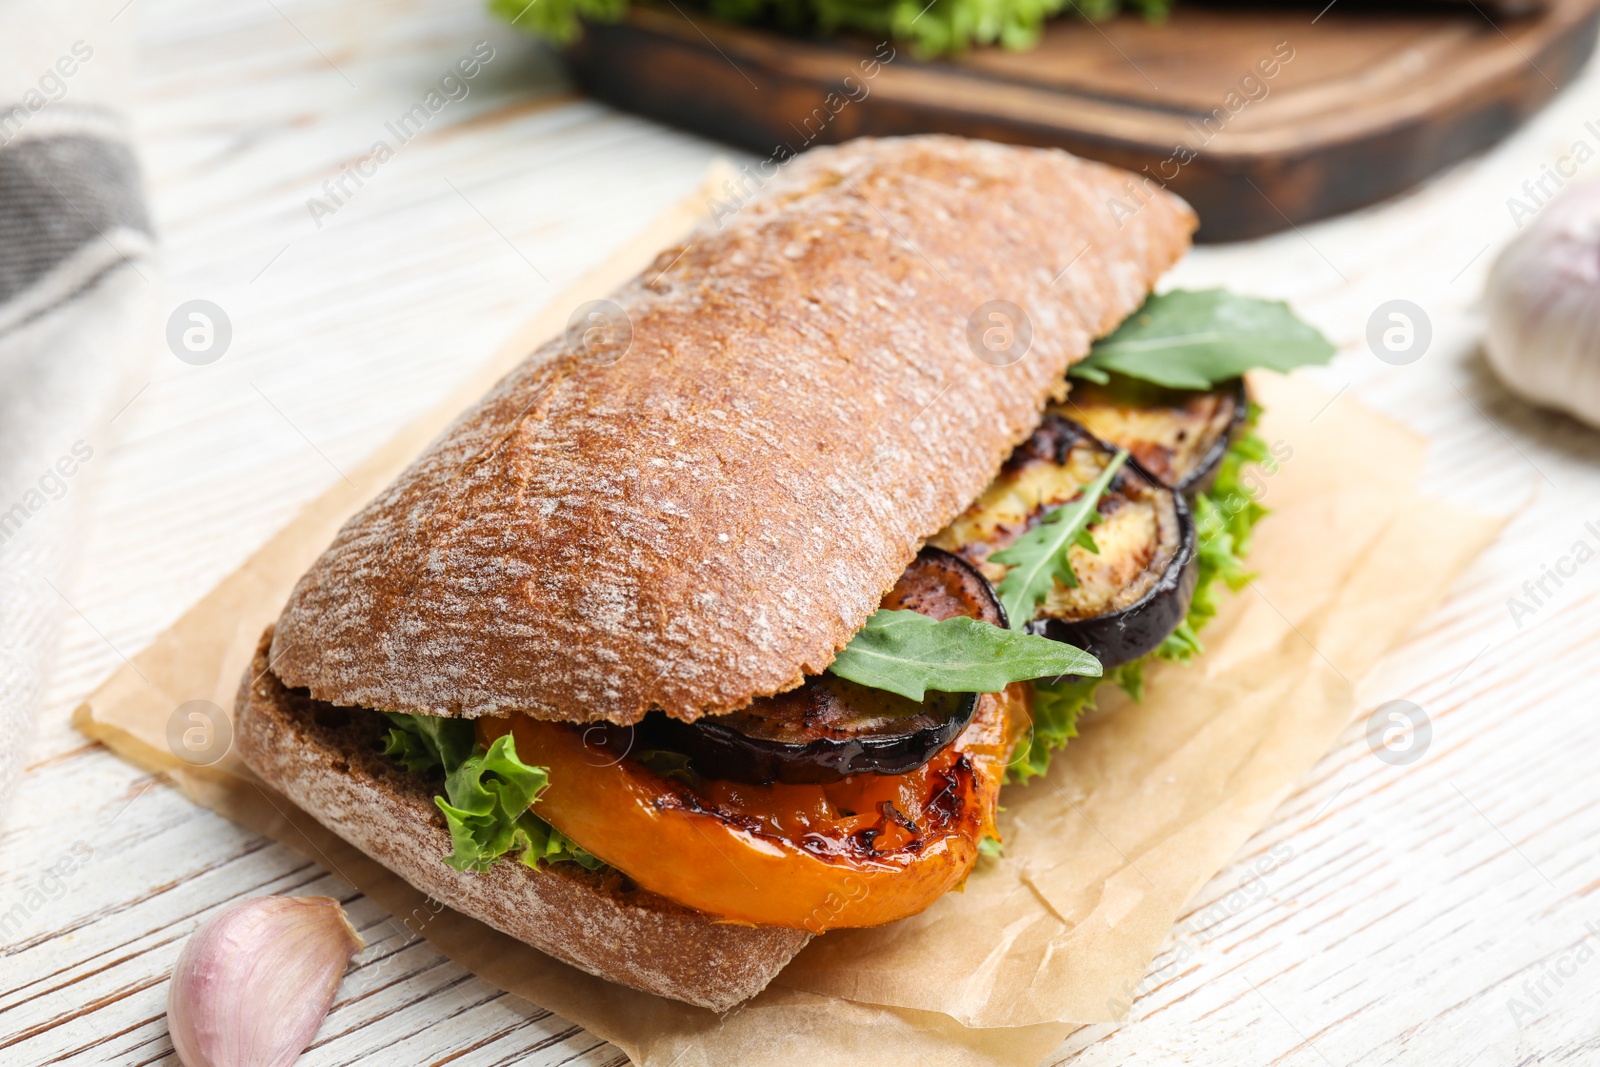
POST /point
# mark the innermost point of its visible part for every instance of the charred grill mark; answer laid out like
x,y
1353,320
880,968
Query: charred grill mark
x,y
894,815
1052,442
942,816
688,801
863,841
1114,501
947,805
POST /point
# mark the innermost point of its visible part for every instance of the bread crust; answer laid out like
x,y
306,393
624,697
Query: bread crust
x,y
713,515
326,760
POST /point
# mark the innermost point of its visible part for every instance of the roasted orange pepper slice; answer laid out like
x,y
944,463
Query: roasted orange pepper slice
x,y
864,851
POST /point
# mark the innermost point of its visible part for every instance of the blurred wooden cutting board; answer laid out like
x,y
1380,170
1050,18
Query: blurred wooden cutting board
x,y
1361,104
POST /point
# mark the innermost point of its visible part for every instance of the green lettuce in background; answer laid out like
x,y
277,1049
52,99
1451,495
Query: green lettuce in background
x,y
942,27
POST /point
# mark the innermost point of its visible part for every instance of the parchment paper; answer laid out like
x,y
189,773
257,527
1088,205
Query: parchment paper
x,y
1100,856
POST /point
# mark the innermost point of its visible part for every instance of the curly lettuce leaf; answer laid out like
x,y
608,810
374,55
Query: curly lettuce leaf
x,y
943,27
426,743
559,21
1225,517
488,793
1057,707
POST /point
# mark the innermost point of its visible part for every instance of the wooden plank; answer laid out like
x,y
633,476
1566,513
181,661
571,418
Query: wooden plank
x,y
1261,117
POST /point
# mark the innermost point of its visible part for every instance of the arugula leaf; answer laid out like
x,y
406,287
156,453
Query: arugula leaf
x,y
909,653
1195,340
1040,557
938,28
489,790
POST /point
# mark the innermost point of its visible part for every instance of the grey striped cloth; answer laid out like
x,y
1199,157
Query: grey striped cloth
x,y
75,293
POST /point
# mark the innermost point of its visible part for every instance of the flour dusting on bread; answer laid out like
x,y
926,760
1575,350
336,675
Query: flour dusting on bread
x,y
711,517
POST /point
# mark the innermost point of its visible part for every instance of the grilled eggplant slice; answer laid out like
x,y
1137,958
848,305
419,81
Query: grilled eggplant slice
x,y
1178,436
830,728
1130,595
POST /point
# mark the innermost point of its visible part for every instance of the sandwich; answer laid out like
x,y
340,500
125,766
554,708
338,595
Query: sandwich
x,y
722,625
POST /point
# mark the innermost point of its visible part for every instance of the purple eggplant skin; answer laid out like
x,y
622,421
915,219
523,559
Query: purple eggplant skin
x,y
1204,476
830,728
718,750
1098,409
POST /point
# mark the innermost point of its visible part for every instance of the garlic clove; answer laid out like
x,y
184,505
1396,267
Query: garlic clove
x,y
254,982
1542,300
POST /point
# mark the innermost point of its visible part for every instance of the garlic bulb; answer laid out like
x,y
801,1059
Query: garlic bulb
x,y
253,983
1543,298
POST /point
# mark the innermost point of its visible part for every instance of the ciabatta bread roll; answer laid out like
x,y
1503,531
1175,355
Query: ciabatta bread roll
x,y
701,515
710,517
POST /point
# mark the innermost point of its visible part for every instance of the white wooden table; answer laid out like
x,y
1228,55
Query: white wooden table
x,y
1404,912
